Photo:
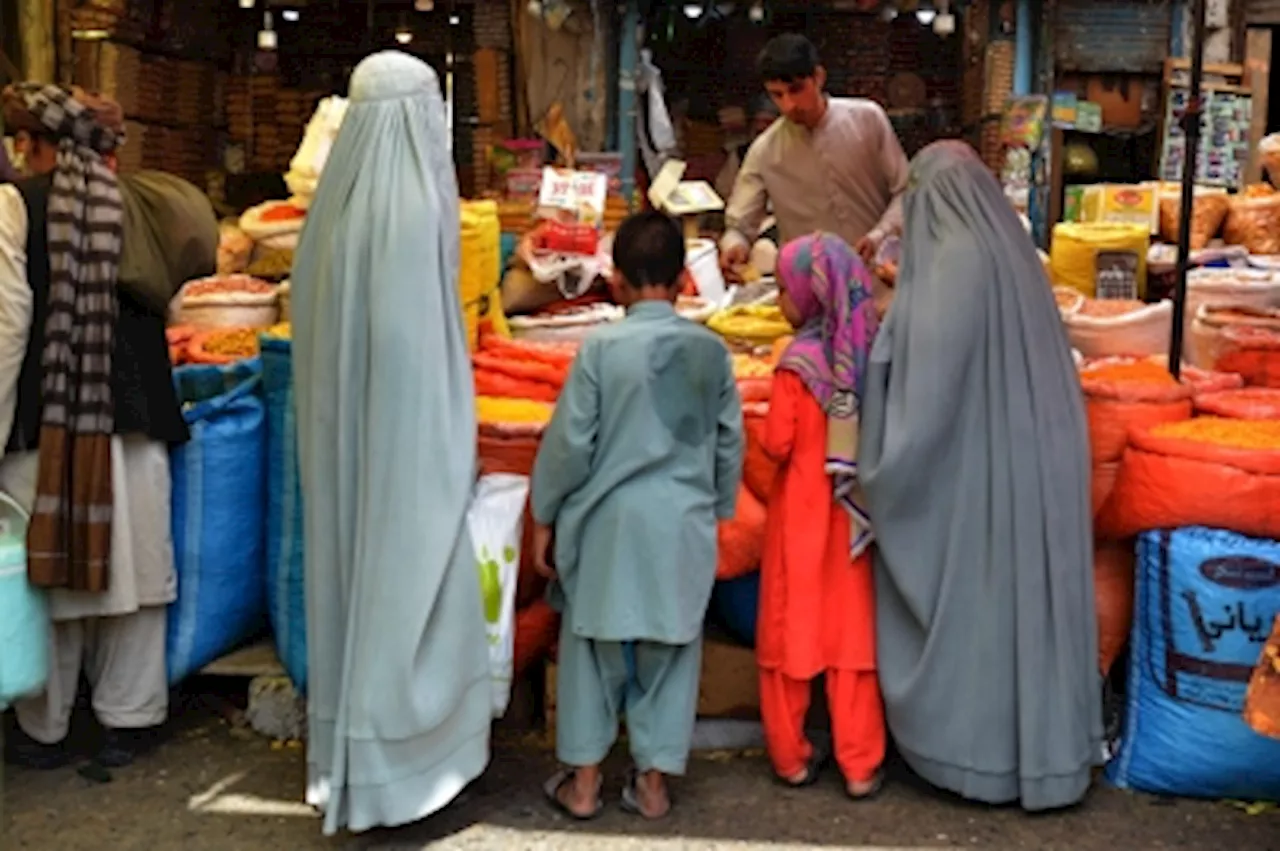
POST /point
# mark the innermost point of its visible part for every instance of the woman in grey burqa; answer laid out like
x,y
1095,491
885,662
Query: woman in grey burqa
x,y
974,461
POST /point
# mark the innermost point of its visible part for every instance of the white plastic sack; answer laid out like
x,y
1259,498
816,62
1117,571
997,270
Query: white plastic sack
x,y
1142,332
496,521
313,153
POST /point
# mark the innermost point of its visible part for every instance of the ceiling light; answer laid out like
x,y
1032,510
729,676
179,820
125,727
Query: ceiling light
x,y
246,4
404,36
693,11
454,20
756,12
925,15
266,36
291,15
889,12
424,5
944,24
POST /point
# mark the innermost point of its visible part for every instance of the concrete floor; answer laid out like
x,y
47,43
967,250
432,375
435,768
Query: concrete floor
x,y
218,786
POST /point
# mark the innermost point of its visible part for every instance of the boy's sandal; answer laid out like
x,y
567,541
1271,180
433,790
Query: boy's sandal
x,y
876,787
556,784
812,768
631,798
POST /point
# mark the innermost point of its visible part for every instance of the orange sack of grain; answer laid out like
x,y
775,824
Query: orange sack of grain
x,y
1113,563
742,538
1122,395
1262,701
1248,403
1102,482
1209,471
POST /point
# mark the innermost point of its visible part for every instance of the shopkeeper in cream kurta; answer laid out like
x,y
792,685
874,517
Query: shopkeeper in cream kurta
x,y
829,164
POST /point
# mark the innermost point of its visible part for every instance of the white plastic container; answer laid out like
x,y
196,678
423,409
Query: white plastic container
x,y
702,259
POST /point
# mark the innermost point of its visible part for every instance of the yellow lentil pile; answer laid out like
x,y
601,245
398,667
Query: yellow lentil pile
x,y
492,409
281,331
237,342
1238,434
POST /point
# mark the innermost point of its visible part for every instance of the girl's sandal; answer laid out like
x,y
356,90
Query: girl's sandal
x,y
812,768
875,788
555,786
631,799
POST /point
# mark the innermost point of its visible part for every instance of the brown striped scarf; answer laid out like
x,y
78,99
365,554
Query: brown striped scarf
x,y
69,538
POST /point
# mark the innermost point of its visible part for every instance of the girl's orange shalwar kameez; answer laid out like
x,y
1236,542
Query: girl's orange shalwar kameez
x,y
817,604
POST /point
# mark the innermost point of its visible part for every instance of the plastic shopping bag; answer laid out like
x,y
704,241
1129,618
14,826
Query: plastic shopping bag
x,y
24,622
496,522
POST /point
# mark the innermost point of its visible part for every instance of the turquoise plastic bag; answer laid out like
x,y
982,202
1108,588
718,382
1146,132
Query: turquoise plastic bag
x,y
24,617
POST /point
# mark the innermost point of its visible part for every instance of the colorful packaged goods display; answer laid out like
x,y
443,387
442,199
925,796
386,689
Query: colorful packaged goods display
x,y
230,301
1262,700
1118,327
1206,601
1207,471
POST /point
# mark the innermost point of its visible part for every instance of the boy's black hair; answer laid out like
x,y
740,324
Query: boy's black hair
x,y
649,250
787,58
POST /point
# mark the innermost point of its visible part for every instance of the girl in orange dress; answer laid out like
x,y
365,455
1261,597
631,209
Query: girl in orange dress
x,y
817,605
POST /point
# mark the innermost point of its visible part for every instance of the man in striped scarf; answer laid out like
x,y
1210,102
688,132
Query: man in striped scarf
x,y
69,539
88,408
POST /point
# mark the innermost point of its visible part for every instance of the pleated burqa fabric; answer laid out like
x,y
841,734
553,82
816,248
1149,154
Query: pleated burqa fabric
x,y
974,460
398,663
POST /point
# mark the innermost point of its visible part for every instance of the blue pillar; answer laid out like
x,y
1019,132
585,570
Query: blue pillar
x,y
1024,58
628,60
1177,41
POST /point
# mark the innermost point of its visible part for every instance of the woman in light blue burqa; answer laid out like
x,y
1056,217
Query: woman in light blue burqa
x,y
974,461
399,687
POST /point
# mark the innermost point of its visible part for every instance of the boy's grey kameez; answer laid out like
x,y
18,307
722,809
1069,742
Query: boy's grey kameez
x,y
640,461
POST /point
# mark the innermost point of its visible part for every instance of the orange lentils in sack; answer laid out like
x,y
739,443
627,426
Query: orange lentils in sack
x,y
1220,431
1124,394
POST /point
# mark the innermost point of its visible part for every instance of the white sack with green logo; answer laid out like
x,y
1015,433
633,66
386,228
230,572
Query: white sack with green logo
x,y
496,522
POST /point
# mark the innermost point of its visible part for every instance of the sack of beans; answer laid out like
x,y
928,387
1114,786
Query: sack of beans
x,y
1208,471
1246,403
1111,327
1212,343
238,301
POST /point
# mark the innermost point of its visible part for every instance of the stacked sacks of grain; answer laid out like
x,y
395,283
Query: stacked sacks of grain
x,y
1121,394
1204,497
